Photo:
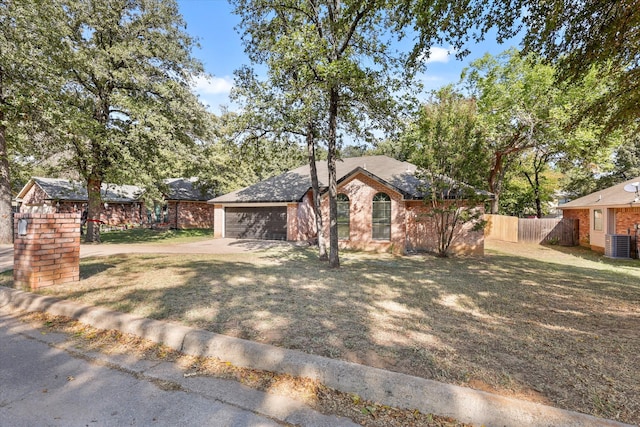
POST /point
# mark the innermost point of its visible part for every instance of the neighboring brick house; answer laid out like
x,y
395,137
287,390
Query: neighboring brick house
x,y
186,204
612,211
380,208
122,204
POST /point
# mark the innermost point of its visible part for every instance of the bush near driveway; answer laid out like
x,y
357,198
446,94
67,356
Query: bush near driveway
x,y
548,324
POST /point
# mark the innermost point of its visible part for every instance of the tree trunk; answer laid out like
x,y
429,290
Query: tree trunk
x,y
334,259
94,183
315,188
6,220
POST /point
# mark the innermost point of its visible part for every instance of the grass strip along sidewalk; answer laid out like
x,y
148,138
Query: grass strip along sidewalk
x,y
553,325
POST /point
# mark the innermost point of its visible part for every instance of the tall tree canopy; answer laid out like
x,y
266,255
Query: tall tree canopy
x,y
335,49
446,138
29,35
574,35
522,112
127,68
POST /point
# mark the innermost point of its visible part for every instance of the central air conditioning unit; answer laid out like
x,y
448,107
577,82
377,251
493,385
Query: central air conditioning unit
x,y
617,246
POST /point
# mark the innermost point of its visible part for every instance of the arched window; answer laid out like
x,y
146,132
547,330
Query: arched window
x,y
381,222
343,216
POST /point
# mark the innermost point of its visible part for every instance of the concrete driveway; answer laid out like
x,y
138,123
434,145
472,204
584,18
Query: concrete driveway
x,y
6,257
210,246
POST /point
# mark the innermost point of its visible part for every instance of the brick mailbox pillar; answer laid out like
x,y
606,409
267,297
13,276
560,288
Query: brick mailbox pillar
x,y
46,249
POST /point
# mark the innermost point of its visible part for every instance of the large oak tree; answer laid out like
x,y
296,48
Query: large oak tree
x,y
127,69
575,36
340,51
29,36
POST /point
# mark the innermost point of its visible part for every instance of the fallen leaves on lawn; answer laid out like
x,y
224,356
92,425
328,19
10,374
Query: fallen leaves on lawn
x,y
311,392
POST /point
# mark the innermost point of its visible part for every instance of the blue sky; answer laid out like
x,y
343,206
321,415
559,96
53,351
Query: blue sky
x,y
212,23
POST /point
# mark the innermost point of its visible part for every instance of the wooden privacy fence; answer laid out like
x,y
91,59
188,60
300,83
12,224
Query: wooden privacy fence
x,y
501,227
563,231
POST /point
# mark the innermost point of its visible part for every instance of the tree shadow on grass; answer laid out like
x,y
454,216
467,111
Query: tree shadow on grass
x,y
549,332
590,255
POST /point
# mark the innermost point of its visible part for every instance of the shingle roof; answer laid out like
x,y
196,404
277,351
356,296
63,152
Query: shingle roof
x,y
186,189
612,196
291,186
63,189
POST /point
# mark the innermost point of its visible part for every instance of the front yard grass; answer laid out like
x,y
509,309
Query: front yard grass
x,y
147,235
553,325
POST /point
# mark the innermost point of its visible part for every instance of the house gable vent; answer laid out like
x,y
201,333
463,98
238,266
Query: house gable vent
x,y
617,246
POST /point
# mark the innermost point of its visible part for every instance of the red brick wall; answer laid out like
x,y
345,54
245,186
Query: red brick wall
x,y
123,214
49,254
190,214
306,219
582,215
409,230
34,201
292,221
360,189
421,234
626,218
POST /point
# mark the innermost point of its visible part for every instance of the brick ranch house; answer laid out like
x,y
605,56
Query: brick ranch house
x,y
186,204
380,207
183,206
605,212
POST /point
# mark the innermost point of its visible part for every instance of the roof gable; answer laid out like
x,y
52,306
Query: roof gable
x,y
400,184
186,189
291,186
64,189
612,196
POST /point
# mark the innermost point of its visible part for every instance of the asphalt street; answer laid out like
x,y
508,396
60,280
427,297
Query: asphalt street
x,y
42,383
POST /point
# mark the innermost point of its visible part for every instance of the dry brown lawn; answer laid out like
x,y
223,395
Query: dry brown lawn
x,y
554,325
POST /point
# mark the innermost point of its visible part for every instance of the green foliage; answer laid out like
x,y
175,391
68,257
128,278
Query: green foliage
x,y
330,66
576,36
146,235
622,165
521,198
445,138
126,97
525,117
28,38
453,205
448,149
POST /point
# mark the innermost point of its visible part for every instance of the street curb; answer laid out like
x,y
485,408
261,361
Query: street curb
x,y
384,387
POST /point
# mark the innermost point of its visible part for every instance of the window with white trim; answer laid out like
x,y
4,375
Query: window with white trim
x,y
381,218
598,222
343,216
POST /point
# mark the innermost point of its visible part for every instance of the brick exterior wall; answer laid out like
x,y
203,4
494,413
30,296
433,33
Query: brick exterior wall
x,y
190,214
626,219
421,234
306,219
34,198
360,190
292,221
582,215
410,229
115,214
49,253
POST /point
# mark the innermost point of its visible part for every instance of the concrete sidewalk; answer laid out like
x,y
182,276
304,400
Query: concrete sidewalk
x,y
385,387
47,380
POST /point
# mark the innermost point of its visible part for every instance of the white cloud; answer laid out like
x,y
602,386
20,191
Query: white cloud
x,y
209,85
440,54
